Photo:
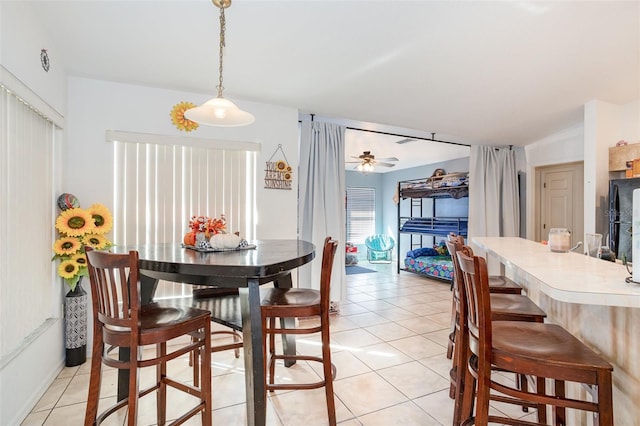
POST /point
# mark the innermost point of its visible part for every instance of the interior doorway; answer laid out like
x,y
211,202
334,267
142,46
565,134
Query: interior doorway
x,y
560,200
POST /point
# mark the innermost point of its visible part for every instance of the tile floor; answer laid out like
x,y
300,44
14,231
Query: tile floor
x,y
389,344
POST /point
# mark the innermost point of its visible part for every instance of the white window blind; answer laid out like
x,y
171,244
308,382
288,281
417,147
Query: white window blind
x,y
159,187
361,214
28,295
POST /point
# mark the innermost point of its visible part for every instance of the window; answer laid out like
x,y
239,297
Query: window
x,y
29,296
158,187
361,214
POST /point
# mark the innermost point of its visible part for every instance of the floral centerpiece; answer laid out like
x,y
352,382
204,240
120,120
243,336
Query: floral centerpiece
x,y
202,228
79,228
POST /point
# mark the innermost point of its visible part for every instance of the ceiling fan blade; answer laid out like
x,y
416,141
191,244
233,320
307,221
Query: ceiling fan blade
x,y
353,162
384,164
405,140
387,159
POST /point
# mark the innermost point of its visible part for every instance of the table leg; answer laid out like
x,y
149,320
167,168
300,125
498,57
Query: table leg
x,y
288,340
148,287
253,358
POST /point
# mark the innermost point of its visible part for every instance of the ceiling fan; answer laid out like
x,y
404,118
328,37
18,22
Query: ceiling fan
x,y
367,160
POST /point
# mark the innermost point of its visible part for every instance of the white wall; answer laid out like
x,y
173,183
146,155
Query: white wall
x,y
604,124
96,106
27,371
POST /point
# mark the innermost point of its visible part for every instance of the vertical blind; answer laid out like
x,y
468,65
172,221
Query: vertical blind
x,y
27,296
159,187
361,214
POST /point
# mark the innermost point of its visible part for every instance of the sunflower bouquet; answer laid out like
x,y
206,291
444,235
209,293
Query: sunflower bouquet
x,y
79,228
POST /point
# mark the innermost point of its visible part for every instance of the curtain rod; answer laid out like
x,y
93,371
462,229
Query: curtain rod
x,y
432,139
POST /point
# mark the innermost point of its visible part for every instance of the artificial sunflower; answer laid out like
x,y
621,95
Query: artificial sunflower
x,y
96,241
65,246
80,228
179,120
101,217
281,166
68,270
75,222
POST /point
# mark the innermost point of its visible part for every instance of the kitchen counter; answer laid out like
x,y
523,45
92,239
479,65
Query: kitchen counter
x,y
566,277
590,298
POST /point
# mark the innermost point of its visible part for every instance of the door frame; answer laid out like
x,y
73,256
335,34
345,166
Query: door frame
x,y
577,168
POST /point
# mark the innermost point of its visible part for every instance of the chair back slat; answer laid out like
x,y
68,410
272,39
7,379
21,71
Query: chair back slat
x,y
328,254
476,300
114,287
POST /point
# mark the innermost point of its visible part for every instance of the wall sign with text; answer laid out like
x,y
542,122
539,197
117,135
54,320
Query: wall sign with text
x,y
278,172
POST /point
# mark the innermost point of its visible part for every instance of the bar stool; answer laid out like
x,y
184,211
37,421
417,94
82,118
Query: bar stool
x,y
504,307
119,320
301,303
498,284
537,349
224,305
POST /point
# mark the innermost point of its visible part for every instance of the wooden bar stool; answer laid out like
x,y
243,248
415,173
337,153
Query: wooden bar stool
x,y
504,307
301,303
536,349
119,320
224,305
498,284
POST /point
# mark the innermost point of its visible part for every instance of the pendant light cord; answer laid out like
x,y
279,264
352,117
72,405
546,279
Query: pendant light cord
x,y
222,45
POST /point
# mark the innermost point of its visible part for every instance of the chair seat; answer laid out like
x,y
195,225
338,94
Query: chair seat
x,y
514,307
224,310
298,297
502,284
543,347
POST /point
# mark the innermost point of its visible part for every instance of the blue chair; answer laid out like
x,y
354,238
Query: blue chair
x,y
379,248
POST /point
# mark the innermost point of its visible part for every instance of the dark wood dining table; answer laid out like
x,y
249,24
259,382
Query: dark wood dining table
x,y
247,270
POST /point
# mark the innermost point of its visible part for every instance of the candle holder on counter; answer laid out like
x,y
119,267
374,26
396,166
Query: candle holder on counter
x,y
559,240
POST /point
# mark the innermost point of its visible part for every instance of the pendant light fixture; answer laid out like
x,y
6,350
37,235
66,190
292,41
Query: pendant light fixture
x,y
220,111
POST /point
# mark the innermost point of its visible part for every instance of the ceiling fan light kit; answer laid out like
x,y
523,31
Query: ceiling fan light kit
x,y
220,111
367,161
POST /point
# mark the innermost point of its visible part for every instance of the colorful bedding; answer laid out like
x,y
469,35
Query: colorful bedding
x,y
440,267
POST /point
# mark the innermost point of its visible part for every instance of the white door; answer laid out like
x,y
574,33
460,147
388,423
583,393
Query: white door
x,y
561,200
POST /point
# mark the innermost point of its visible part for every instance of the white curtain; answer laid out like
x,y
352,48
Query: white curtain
x,y
493,193
29,296
159,186
322,199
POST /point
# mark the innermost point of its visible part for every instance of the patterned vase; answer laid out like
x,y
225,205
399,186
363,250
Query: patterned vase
x,y
75,314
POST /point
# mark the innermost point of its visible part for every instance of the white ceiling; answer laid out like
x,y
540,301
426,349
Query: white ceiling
x,y
482,72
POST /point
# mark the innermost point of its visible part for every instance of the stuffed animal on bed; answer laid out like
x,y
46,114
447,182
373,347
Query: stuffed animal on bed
x,y
441,248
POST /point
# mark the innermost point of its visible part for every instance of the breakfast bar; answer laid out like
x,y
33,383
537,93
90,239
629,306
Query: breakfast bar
x,y
590,298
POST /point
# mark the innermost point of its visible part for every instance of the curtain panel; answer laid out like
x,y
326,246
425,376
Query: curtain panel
x,y
493,189
158,187
29,295
322,200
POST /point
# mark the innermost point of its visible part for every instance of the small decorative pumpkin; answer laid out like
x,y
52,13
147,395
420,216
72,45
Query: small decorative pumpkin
x,y
190,238
224,241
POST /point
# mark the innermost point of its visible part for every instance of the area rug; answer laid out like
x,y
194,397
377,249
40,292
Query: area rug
x,y
352,270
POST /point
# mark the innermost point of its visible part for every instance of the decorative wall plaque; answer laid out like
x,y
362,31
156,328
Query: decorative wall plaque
x,y
278,173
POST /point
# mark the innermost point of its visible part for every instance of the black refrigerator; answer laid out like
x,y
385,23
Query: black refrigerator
x,y
620,215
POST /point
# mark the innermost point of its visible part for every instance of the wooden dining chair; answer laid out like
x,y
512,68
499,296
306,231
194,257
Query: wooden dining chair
x,y
301,303
498,284
504,307
121,321
537,349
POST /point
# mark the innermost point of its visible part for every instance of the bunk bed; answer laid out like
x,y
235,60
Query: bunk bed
x,y
432,260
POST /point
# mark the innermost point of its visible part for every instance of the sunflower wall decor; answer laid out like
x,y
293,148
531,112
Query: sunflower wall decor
x,y
178,119
79,228
278,174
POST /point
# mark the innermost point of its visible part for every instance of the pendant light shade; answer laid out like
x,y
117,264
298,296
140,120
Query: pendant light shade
x,y
220,111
